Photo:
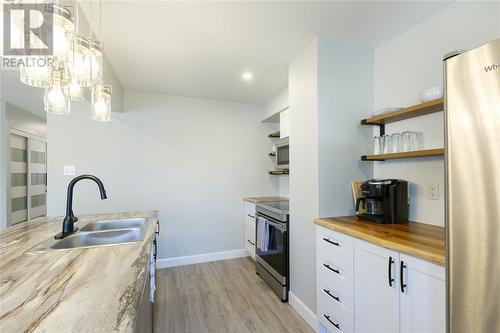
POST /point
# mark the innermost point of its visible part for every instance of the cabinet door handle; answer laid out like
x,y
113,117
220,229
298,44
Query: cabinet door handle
x,y
332,296
250,242
328,318
331,242
156,249
401,276
251,216
333,270
158,227
391,279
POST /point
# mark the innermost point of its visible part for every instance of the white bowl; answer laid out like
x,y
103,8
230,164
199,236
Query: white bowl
x,y
431,93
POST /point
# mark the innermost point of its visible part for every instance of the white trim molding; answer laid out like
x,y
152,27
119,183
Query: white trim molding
x,y
306,313
200,258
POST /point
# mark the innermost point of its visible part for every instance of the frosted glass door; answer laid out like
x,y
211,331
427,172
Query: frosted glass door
x,y
37,178
18,179
28,178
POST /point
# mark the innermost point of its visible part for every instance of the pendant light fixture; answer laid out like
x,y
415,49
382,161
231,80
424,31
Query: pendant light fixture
x,y
76,63
56,101
101,102
35,69
101,94
96,64
63,30
81,60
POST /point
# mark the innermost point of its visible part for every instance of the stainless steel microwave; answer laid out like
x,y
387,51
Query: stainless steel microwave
x,y
283,154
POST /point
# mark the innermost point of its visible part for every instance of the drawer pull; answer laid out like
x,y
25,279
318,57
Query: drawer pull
x,y
331,242
328,318
253,244
332,296
332,269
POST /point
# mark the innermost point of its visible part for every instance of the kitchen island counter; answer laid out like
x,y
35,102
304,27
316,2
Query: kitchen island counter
x,y
77,290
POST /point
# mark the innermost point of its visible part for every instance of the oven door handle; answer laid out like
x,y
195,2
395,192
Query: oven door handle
x,y
277,225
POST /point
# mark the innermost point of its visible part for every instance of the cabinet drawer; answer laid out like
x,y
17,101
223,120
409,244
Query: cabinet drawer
x,y
338,245
250,249
341,300
337,272
249,209
332,320
250,230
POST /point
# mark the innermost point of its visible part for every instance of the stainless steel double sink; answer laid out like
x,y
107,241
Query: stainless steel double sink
x,y
99,233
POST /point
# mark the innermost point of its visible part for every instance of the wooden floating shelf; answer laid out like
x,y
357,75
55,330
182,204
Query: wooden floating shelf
x,y
274,135
279,172
433,106
408,154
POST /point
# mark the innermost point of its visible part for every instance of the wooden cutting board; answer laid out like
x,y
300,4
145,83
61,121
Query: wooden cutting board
x,y
356,193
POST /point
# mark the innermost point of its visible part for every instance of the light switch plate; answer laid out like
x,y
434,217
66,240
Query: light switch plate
x,y
69,170
433,191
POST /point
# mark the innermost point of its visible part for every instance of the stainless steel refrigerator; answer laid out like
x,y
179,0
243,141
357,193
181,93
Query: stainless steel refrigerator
x,y
472,118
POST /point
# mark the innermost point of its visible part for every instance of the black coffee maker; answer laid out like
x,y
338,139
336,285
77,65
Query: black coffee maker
x,y
384,201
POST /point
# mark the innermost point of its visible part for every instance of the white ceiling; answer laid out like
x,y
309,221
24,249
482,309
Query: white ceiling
x,y
200,49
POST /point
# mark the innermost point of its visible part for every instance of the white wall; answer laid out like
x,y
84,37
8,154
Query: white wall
x,y
304,174
192,159
331,85
272,108
411,62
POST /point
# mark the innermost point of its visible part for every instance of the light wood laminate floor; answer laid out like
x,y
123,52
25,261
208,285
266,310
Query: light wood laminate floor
x,y
218,297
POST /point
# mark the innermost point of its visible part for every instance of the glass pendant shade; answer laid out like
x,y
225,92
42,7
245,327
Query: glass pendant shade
x,y
74,90
63,31
54,98
80,61
101,102
36,71
96,64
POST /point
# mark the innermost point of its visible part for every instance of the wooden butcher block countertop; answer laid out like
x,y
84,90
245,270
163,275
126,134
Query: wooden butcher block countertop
x,y
419,240
265,199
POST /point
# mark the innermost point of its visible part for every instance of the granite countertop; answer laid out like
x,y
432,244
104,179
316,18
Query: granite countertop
x,y
265,199
419,240
79,290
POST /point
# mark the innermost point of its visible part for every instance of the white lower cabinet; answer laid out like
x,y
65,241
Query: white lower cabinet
x,y
423,303
387,291
376,297
250,228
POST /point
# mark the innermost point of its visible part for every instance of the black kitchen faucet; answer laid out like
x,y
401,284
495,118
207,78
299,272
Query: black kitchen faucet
x,y
70,219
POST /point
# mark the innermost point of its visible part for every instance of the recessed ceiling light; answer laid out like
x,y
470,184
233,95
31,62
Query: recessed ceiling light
x,y
247,76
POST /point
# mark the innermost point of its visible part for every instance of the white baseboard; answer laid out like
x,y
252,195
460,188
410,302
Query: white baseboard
x,y
200,258
303,310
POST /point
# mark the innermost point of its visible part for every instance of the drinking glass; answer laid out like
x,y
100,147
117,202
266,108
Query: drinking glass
x,y
407,141
377,143
416,140
395,143
386,143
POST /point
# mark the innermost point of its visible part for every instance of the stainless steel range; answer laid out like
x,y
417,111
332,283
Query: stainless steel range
x,y
272,247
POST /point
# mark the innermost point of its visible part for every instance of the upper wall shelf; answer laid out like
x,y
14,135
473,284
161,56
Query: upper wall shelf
x,y
417,110
274,135
409,154
433,106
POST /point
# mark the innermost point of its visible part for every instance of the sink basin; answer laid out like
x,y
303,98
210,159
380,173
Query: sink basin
x,y
138,222
99,233
91,239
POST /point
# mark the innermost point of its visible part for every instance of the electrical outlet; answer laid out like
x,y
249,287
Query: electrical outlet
x,y
69,170
433,192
